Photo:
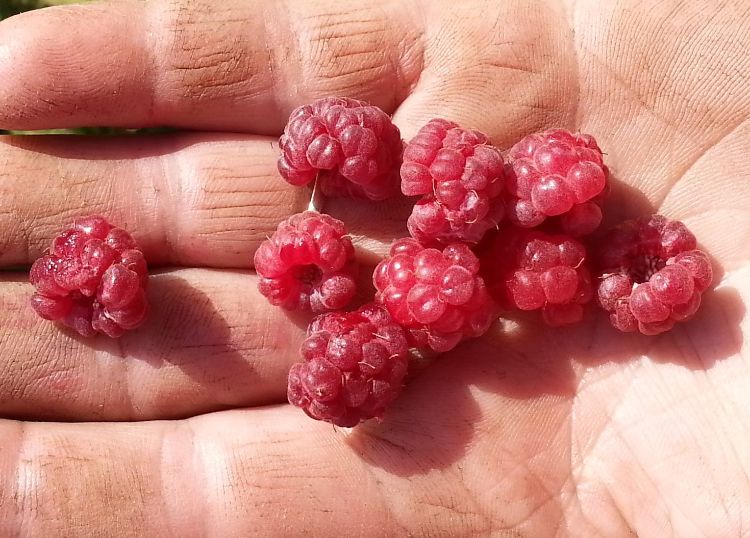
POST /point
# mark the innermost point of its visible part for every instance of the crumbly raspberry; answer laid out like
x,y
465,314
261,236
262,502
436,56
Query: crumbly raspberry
x,y
435,294
308,263
93,279
652,275
533,270
354,366
460,177
352,148
556,173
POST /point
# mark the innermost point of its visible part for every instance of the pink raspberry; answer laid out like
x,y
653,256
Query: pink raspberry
x,y
308,263
652,275
556,173
354,366
93,279
435,294
461,178
532,270
352,148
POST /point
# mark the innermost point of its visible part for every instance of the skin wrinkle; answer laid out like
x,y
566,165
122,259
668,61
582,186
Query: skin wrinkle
x,y
686,168
625,85
11,518
271,59
178,514
577,113
151,59
621,436
577,467
175,173
383,498
730,444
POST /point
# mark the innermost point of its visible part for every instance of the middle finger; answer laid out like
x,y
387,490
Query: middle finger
x,y
189,199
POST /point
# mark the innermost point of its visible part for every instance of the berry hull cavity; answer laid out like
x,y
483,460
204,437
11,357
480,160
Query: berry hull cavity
x,y
307,264
652,275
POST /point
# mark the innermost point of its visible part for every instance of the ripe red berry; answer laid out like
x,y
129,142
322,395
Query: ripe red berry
x,y
352,148
652,275
93,279
533,270
435,294
354,366
556,173
308,263
460,177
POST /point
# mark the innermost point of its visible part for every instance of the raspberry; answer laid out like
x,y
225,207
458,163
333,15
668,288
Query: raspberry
x,y
93,280
556,173
308,263
460,176
435,294
354,366
352,148
533,270
652,275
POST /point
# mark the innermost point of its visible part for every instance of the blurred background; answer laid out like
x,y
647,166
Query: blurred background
x,y
12,7
9,8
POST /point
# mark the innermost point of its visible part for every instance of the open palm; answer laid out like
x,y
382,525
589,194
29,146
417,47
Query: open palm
x,y
180,428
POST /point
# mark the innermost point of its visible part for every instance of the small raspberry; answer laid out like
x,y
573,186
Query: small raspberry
x,y
652,275
533,270
354,366
435,294
352,148
556,173
308,263
461,178
93,279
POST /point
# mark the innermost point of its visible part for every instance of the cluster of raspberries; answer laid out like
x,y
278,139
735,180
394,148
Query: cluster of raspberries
x,y
491,232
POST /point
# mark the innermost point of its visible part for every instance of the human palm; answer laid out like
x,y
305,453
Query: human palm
x,y
180,428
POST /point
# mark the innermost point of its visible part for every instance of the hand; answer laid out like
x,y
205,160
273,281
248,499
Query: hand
x,y
530,430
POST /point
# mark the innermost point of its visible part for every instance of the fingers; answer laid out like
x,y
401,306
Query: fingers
x,y
240,65
192,199
263,473
211,342
474,440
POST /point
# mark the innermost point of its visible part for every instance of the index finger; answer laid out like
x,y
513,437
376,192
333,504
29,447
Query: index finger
x,y
239,65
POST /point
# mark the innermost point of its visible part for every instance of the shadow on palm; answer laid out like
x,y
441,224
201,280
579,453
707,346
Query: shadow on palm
x,y
523,366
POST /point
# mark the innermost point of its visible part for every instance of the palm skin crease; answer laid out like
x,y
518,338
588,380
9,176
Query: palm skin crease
x,y
181,428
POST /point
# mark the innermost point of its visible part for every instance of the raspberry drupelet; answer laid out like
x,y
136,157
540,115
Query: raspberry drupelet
x,y
307,264
652,275
436,295
556,173
352,148
460,178
92,280
533,270
354,366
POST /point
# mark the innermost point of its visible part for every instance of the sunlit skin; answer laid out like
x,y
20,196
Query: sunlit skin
x,y
529,431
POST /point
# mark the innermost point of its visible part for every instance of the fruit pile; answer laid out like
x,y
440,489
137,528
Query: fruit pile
x,y
491,232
